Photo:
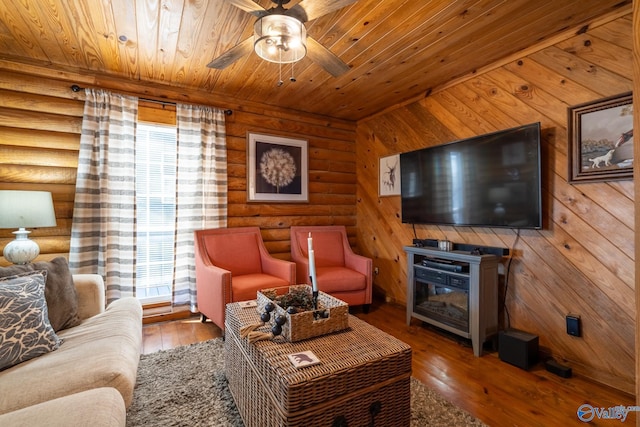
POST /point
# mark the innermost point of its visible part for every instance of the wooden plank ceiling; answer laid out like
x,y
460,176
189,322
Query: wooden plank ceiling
x,y
397,50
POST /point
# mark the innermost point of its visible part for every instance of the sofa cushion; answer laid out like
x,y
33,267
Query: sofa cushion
x,y
60,293
25,331
98,407
103,351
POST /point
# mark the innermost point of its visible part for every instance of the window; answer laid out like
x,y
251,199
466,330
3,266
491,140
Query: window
x,y
155,211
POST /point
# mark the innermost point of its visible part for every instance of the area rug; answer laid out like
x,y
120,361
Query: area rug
x,y
186,386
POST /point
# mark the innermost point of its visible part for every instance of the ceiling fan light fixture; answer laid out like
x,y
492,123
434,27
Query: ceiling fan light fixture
x,y
280,38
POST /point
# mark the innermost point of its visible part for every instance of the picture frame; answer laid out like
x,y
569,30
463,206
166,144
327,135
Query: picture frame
x,y
389,176
600,135
277,169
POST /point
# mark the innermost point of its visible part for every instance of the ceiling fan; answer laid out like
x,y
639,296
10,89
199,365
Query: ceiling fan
x,y
281,37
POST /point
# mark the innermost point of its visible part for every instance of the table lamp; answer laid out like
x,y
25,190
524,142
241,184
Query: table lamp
x,y
21,209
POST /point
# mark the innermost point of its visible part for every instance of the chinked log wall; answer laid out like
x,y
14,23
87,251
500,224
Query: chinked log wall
x,y
40,123
582,262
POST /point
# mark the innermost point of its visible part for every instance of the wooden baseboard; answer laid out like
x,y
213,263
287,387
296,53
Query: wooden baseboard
x,y
164,312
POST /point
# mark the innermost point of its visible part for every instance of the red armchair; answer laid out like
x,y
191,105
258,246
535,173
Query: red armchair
x,y
339,271
232,264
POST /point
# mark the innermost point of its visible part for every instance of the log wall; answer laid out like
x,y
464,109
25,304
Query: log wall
x,y
582,262
40,123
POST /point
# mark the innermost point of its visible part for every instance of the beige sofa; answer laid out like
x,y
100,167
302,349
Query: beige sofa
x,y
98,356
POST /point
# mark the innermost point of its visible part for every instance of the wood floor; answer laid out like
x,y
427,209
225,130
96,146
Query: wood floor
x,y
495,392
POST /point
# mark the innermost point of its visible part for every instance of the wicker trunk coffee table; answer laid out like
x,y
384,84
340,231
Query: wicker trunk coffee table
x,y
363,378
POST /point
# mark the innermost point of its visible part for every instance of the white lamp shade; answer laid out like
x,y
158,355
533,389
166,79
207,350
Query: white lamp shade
x,y
21,209
280,38
26,209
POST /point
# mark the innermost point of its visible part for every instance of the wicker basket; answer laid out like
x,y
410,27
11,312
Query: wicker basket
x,y
301,326
360,368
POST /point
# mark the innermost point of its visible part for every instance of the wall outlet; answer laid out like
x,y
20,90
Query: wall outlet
x,y
376,271
573,325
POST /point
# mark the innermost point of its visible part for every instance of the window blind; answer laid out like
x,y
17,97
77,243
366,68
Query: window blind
x,y
155,210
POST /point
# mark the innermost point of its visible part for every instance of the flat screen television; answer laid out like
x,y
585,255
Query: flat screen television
x,y
491,180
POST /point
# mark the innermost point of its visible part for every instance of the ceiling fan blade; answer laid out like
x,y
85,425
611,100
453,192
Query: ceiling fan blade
x,y
312,9
232,55
325,58
249,6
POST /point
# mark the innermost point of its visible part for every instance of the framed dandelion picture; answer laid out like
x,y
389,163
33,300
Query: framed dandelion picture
x,y
277,169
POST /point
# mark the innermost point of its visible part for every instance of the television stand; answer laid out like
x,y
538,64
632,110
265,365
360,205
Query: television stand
x,y
454,290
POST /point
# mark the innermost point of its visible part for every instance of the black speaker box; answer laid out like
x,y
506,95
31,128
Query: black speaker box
x,y
518,348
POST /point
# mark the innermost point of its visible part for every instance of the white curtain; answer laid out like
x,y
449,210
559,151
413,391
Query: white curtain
x,y
103,228
201,190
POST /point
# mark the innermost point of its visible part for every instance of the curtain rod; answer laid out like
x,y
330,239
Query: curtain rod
x,y
76,88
